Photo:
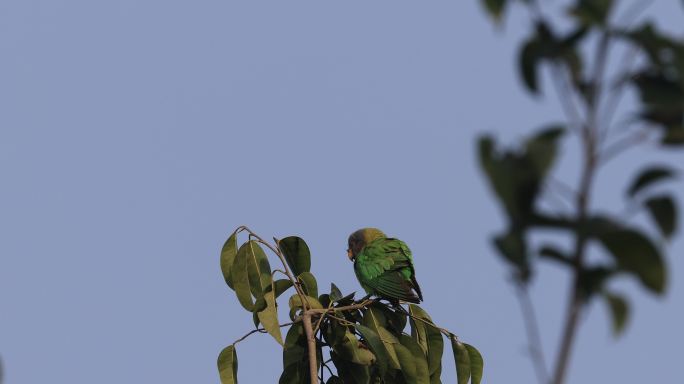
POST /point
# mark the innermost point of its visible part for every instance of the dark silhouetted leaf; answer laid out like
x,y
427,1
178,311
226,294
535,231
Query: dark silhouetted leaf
x,y
593,279
310,284
335,293
395,320
592,11
334,380
294,374
350,372
649,176
542,147
324,299
228,253
674,136
296,254
495,8
347,300
462,359
551,253
664,212
619,311
635,253
476,364
333,332
269,317
295,336
530,56
228,365
513,248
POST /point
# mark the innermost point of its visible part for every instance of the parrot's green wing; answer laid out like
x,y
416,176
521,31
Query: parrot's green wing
x,y
384,268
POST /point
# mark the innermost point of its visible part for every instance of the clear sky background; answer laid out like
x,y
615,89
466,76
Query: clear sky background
x,y
135,135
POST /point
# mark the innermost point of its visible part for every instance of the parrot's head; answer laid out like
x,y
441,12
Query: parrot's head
x,y
360,238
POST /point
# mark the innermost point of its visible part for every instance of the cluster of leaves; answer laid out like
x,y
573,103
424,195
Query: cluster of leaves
x,y
518,176
356,342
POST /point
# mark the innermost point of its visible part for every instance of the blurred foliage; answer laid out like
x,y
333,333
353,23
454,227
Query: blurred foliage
x,y
356,342
572,46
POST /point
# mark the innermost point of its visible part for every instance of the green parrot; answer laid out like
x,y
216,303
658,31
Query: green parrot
x,y
383,266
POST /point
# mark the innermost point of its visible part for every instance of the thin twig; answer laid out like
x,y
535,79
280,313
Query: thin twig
x,y
532,330
259,330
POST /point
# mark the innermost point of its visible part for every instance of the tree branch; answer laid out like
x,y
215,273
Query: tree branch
x,y
589,137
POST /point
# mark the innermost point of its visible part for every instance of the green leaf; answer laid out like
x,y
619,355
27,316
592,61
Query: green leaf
x,y
395,320
664,212
228,365
591,12
529,58
513,247
408,365
350,372
462,359
294,374
635,253
228,253
350,349
419,360
295,362
296,254
333,332
374,319
429,338
377,346
619,310
674,136
280,285
334,380
240,278
542,147
593,279
295,336
269,317
258,269
495,8
310,284
554,254
296,302
476,364
335,293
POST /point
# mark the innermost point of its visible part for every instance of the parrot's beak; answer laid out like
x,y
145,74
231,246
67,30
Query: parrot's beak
x,y
349,255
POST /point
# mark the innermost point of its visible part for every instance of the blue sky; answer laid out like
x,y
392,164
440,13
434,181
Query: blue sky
x,y
135,135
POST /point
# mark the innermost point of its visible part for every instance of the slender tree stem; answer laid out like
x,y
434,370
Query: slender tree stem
x,y
589,142
532,330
